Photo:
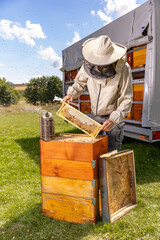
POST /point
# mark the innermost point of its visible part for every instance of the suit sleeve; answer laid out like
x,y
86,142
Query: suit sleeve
x,y
79,85
124,101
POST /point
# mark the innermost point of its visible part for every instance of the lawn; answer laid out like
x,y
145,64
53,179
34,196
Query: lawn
x,y
20,186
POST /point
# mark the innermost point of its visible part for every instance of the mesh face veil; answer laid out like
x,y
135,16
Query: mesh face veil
x,y
99,72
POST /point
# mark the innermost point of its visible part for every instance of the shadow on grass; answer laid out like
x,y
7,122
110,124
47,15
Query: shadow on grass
x,y
147,159
32,224
31,147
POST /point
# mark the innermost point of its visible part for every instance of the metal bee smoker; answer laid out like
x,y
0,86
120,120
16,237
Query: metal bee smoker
x,y
46,123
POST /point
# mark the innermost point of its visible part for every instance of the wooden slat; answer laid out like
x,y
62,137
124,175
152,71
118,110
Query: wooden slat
x,y
100,147
103,185
67,150
139,58
131,165
85,107
137,111
69,187
68,169
84,97
121,212
138,92
122,154
67,208
108,192
75,151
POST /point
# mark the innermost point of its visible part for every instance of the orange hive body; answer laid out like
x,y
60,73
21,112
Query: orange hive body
x,y
136,112
138,92
69,178
139,58
85,107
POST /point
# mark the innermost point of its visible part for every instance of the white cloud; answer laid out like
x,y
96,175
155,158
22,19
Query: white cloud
x,y
114,8
70,25
104,17
93,13
84,24
1,64
120,7
50,54
11,30
76,38
110,6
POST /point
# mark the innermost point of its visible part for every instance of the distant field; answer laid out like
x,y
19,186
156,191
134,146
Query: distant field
x,y
19,87
21,215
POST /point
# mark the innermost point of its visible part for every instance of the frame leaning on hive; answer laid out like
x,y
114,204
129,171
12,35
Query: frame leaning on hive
x,y
117,184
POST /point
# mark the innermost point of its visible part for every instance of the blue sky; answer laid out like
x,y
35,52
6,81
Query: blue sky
x,y
33,33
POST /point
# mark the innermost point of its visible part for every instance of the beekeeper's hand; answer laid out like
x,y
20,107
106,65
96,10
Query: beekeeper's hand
x,y
68,99
107,125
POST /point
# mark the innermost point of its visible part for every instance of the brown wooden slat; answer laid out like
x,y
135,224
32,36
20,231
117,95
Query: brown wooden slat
x,y
139,58
137,111
100,147
69,187
68,169
84,97
71,209
138,92
67,150
131,165
85,107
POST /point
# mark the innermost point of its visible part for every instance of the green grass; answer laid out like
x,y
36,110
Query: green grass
x,y
20,186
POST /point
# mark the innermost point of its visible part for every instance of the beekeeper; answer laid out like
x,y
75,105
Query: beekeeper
x,y
108,78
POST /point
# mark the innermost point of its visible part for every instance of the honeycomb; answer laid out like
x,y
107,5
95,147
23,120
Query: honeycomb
x,y
80,120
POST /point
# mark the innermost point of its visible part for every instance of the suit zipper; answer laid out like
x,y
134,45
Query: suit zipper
x,y
98,99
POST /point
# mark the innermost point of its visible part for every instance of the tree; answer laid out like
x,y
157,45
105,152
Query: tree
x,y
31,91
54,87
43,89
8,95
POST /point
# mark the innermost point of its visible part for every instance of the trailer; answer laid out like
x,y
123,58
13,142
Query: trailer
x,y
139,31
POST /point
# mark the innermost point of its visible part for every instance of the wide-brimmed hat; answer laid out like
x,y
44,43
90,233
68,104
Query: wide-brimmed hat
x,y
102,51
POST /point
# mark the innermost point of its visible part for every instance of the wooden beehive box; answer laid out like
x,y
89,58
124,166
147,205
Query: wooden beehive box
x,y
80,120
139,58
137,109
85,107
138,90
69,177
117,184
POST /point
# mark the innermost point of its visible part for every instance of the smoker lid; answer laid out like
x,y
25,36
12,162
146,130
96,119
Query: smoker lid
x,y
46,115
